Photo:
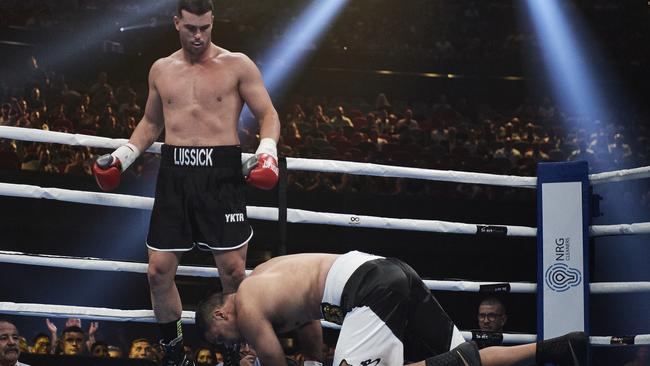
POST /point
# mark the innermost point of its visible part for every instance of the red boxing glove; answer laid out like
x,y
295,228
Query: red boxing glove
x,y
107,171
261,171
107,168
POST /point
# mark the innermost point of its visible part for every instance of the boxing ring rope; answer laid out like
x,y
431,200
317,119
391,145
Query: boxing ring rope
x,y
297,216
330,166
187,317
98,264
265,213
302,216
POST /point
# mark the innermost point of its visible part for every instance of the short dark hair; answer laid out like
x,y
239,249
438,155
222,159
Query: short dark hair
x,y
197,7
492,300
98,344
73,329
138,340
40,335
205,308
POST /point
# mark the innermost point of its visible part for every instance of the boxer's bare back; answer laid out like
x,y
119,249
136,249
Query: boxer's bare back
x,y
287,290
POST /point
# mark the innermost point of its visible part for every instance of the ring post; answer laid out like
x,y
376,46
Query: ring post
x,y
562,248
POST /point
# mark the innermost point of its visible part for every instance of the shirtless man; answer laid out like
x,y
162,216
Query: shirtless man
x,y
196,94
387,315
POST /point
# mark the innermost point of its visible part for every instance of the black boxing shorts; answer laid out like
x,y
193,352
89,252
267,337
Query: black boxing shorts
x,y
200,200
387,314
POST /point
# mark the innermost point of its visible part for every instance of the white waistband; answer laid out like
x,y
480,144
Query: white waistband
x,y
340,272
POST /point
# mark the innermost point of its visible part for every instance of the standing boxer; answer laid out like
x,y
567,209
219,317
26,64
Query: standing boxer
x,y
196,94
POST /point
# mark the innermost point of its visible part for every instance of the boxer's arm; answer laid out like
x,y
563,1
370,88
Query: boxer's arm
x,y
310,340
260,334
152,123
254,93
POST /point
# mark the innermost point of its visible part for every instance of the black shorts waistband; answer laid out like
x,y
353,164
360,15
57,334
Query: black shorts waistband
x,y
201,156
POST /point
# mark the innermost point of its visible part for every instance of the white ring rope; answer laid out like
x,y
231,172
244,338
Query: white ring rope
x,y
378,170
297,216
98,264
187,317
620,175
621,229
266,213
333,166
35,135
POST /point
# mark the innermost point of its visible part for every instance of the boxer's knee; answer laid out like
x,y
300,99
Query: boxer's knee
x,y
232,273
161,271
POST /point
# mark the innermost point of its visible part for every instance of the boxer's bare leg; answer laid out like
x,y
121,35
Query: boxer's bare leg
x,y
232,267
515,355
161,272
502,356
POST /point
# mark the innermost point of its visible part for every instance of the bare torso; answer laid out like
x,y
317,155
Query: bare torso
x,y
200,101
288,290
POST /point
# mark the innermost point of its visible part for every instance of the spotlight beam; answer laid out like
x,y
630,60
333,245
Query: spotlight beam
x,y
569,64
281,61
302,35
98,31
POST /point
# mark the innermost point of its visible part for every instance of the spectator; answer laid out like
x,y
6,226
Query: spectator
x,y
36,103
85,122
248,356
140,348
583,152
72,342
340,120
204,356
99,349
9,347
508,152
407,123
9,159
491,315
78,165
619,152
42,344
101,92
22,344
5,115
536,154
72,322
114,351
124,91
319,120
130,108
382,103
157,353
58,120
218,358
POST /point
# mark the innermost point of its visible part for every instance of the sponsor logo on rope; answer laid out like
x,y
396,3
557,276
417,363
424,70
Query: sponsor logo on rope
x,y
355,220
560,277
629,340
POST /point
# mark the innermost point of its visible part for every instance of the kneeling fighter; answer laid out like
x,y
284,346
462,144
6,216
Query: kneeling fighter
x,y
386,312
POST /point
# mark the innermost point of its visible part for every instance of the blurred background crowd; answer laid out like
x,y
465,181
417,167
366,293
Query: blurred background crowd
x,y
435,84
